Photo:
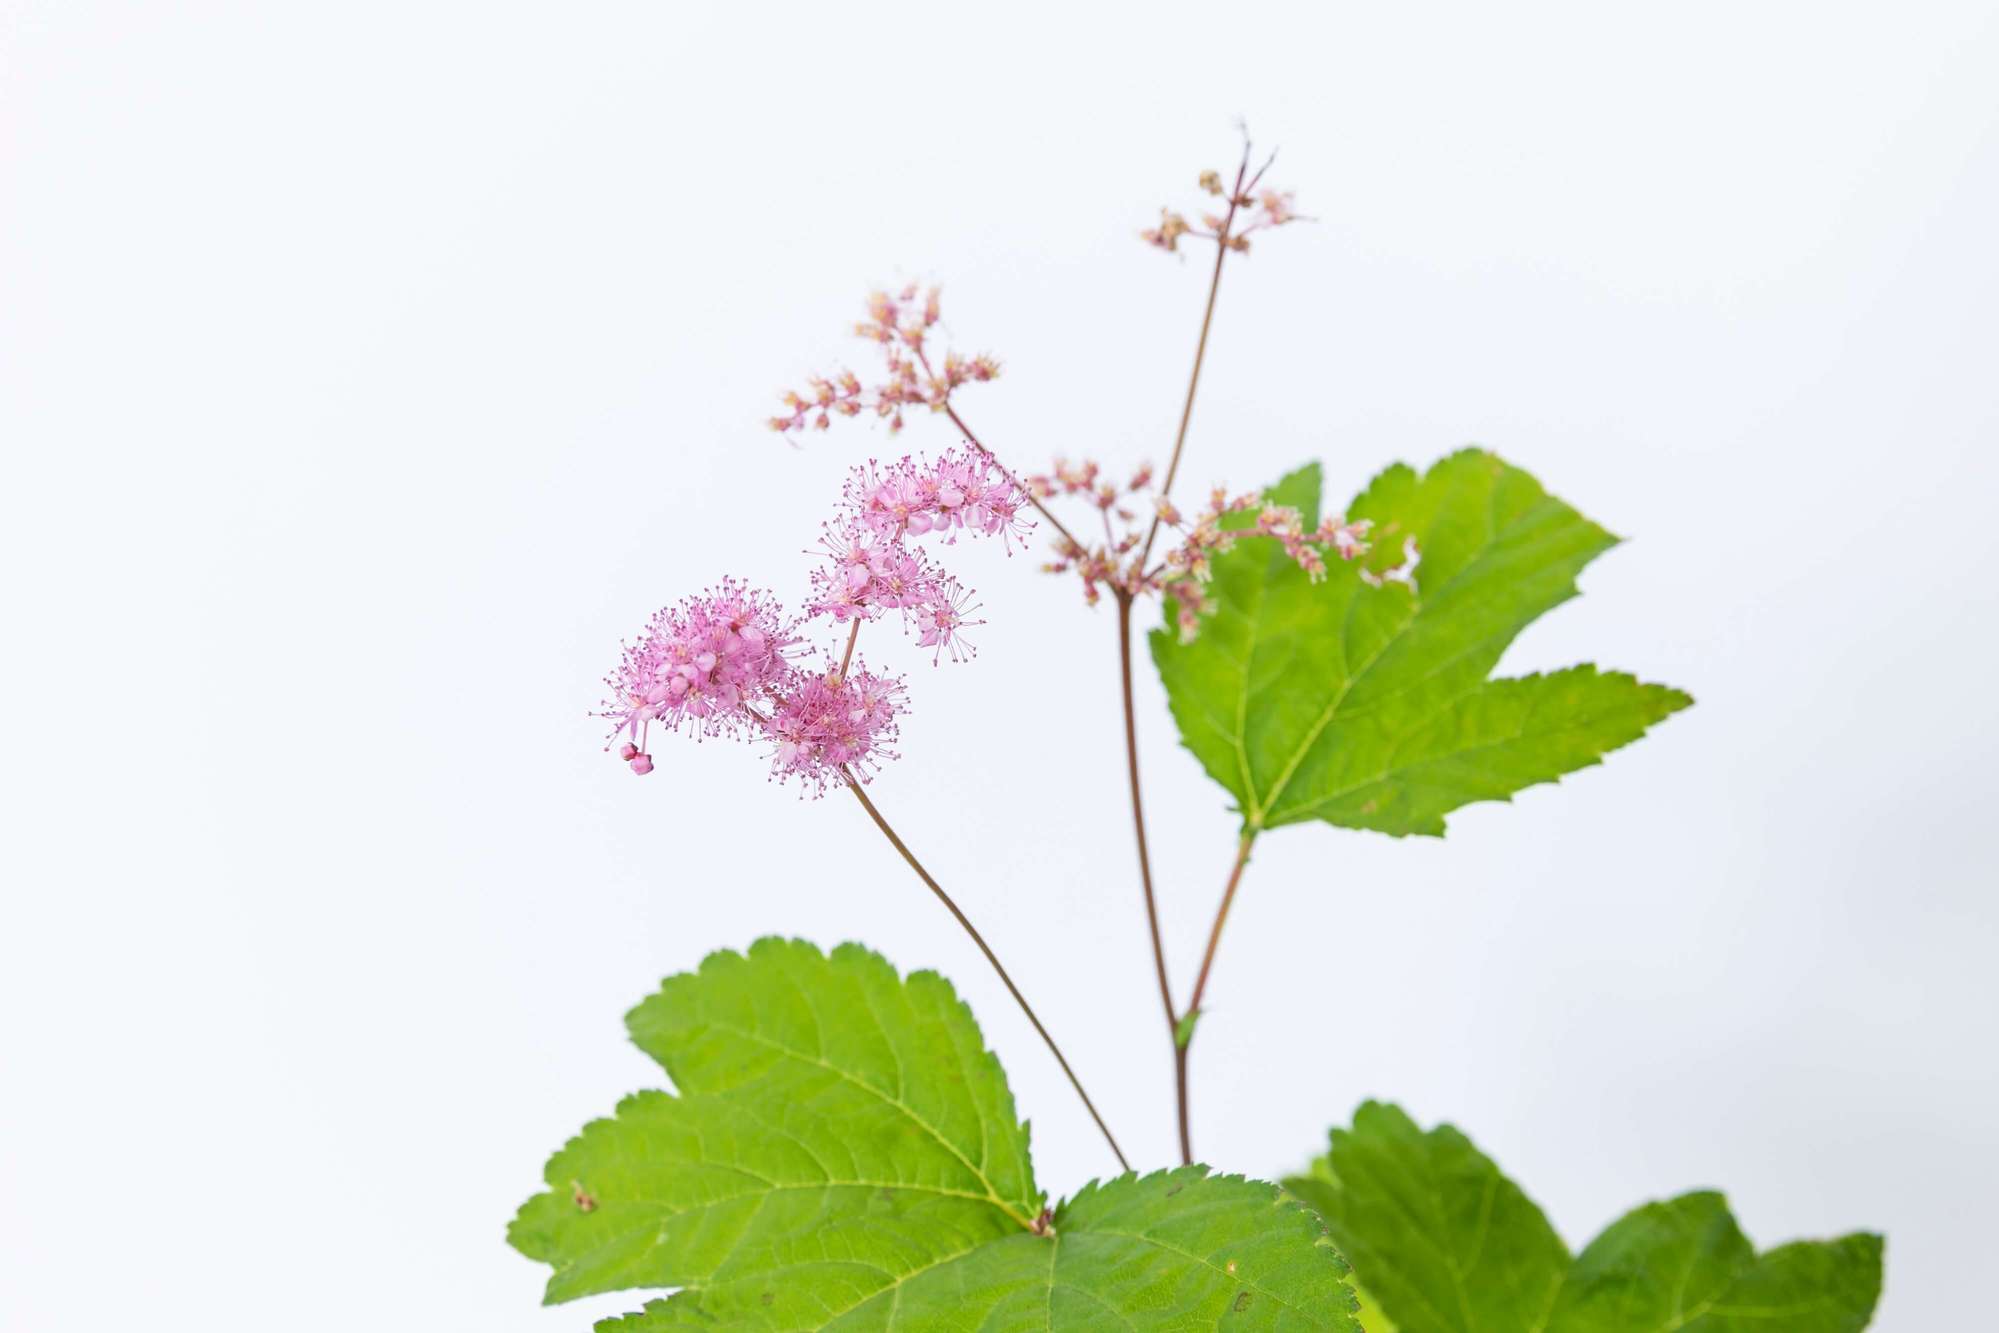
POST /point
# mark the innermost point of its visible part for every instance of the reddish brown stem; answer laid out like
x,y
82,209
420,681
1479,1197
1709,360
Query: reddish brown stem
x,y
1138,806
986,949
1192,1016
1200,352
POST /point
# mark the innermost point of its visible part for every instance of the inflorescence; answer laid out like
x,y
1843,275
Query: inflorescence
x,y
1263,207
728,662
1128,513
724,663
901,326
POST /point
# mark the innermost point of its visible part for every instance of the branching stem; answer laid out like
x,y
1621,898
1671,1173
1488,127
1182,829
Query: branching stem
x,y
1179,1026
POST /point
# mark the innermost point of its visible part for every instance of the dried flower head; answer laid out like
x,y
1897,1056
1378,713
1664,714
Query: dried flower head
x,y
1169,231
1250,207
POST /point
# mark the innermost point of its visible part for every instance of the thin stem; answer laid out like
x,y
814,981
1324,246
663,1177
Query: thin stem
x,y
1221,918
1200,351
1138,805
1180,1099
1174,1022
1032,499
923,359
848,656
1201,988
986,949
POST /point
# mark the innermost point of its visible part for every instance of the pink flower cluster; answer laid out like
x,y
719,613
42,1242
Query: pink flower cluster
x,y
1190,561
1206,534
963,491
901,326
830,725
722,663
1110,563
872,563
865,576
1119,562
698,663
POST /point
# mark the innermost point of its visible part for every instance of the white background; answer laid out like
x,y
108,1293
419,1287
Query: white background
x,y
367,371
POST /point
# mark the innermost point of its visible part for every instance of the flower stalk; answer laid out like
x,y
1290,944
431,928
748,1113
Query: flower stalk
x,y
895,841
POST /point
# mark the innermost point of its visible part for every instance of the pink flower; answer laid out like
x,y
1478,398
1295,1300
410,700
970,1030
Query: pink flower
x,y
867,573
826,723
942,621
701,664
1349,540
901,578
963,491
843,588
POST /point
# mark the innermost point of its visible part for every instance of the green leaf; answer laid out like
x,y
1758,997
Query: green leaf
x,y
1317,1194
843,1152
1448,1244
1439,1237
1684,1264
1369,707
1172,1250
814,1091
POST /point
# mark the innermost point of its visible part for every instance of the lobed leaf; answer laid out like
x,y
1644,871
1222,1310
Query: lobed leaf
x,y
1439,1237
1370,707
1176,1249
843,1153
1447,1244
823,1100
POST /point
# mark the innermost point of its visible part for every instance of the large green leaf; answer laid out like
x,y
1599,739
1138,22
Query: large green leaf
x,y
815,1092
1684,1264
843,1152
1370,707
1438,1236
1173,1250
1447,1244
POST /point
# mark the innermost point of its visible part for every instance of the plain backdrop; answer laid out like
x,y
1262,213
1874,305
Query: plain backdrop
x,y
367,371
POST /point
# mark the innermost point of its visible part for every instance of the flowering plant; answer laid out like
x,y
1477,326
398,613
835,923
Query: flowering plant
x,y
841,1149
